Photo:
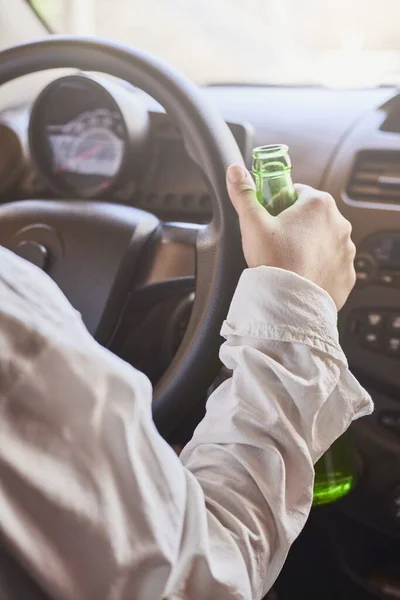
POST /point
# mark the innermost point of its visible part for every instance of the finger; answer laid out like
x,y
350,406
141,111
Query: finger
x,y
312,197
242,191
301,189
306,192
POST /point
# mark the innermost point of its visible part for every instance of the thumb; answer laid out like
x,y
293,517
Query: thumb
x,y
242,191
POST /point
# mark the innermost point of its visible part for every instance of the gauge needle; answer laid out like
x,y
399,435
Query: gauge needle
x,y
85,154
89,152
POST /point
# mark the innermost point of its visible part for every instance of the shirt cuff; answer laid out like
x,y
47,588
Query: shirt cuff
x,y
276,304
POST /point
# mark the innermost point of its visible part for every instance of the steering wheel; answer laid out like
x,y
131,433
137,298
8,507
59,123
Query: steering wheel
x,y
118,240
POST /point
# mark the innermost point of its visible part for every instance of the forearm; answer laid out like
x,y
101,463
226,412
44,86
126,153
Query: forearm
x,y
97,505
255,466
286,402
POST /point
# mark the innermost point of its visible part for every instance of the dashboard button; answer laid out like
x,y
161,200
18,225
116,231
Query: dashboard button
x,y
374,319
371,340
390,419
365,268
361,276
395,504
393,345
394,322
388,278
33,252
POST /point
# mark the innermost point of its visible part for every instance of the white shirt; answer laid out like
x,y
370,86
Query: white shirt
x,y
97,505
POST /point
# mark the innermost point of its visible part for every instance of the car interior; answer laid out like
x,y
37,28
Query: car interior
x,y
112,180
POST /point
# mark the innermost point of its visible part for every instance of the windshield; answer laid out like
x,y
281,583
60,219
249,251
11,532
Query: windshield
x,y
338,43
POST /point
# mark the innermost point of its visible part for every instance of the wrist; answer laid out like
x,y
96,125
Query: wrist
x,y
273,303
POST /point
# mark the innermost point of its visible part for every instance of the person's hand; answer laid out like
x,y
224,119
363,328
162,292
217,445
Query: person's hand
x,y
311,238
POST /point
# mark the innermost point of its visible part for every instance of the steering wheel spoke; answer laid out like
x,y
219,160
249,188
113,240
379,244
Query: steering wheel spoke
x,y
90,249
157,312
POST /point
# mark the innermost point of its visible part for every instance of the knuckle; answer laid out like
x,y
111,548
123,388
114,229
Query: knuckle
x,y
352,277
344,229
250,221
249,211
320,200
244,191
352,249
328,198
347,227
349,254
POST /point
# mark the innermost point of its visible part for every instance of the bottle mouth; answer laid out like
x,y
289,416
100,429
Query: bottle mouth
x,y
270,151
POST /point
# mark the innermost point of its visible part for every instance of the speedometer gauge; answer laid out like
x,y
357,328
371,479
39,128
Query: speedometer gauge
x,y
88,147
80,138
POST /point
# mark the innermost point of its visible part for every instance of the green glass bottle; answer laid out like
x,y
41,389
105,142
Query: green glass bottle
x,y
272,173
335,472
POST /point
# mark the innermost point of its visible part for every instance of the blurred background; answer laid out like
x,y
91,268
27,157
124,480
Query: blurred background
x,y
338,43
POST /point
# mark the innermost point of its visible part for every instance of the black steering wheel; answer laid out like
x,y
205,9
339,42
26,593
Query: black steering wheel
x,y
118,239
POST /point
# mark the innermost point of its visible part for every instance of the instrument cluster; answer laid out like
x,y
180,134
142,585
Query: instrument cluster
x,y
83,137
87,137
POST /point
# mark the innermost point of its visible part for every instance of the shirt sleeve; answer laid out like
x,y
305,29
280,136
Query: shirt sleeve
x,y
94,502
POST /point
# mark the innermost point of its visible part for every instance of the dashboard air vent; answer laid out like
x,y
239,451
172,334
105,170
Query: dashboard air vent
x,y
376,177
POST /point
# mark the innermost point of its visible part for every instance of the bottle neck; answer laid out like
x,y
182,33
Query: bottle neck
x,y
275,168
275,192
272,172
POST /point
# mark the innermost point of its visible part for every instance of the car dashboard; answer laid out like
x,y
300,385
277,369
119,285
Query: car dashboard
x,y
95,138
85,136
